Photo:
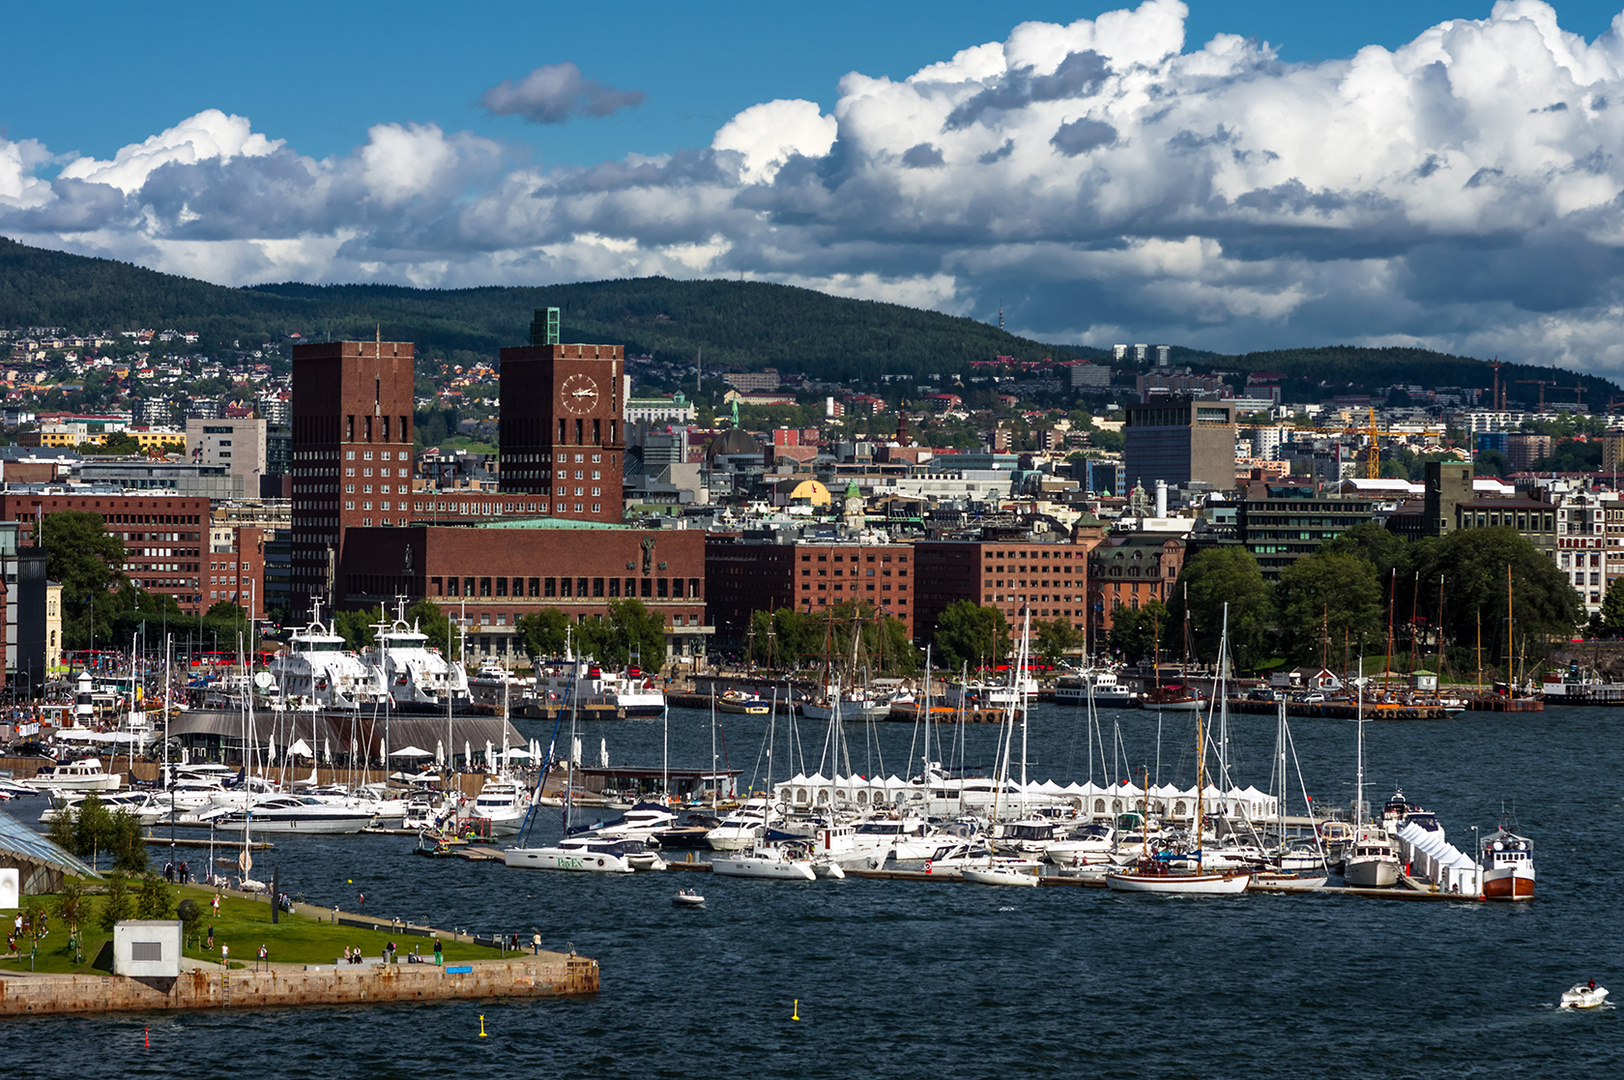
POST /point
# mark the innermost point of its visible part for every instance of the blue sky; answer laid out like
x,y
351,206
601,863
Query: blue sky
x,y
1111,172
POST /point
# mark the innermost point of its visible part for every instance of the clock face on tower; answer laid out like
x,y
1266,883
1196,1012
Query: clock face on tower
x,y
580,393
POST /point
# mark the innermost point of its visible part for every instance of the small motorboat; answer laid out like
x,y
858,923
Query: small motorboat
x,y
1584,996
687,898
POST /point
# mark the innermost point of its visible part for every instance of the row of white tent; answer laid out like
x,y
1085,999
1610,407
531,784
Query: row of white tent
x,y
1431,857
1088,800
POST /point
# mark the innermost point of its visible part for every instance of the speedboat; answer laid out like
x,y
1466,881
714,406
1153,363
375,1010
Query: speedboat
x,y
687,898
586,854
1584,996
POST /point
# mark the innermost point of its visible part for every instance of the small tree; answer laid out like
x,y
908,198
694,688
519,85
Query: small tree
x,y
155,900
1056,638
71,904
190,913
90,828
61,832
117,905
125,842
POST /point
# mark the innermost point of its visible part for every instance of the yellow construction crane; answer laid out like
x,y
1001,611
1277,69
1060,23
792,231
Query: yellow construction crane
x,y
1373,452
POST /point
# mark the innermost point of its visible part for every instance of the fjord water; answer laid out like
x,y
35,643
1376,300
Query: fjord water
x,y
896,979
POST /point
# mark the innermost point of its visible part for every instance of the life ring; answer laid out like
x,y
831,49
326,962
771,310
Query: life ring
x,y
927,866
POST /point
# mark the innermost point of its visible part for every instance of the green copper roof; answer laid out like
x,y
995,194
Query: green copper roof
x,y
548,523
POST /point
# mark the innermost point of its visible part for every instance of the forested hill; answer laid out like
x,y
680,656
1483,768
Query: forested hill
x,y
736,323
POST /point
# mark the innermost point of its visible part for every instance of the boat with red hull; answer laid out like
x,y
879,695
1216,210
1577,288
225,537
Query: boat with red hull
x,y
1508,866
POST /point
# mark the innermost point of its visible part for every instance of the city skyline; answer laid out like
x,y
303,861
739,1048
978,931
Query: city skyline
x,y
1219,176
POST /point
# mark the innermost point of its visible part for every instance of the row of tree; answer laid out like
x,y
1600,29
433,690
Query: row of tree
x,y
1361,591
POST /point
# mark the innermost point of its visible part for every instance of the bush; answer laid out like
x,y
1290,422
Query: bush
x,y
190,913
71,904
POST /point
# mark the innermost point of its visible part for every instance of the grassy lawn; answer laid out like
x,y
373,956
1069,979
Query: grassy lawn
x,y
244,925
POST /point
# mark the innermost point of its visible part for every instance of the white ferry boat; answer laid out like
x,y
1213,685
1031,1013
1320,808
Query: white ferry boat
x,y
416,677
1109,691
318,672
86,774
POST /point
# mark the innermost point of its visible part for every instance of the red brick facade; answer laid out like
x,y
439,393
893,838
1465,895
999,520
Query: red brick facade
x,y
745,577
498,575
1051,578
560,428
165,536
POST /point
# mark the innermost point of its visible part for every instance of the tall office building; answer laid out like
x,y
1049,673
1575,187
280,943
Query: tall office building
x,y
351,449
560,427
1180,440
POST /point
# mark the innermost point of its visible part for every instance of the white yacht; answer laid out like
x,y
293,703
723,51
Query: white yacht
x,y
500,806
318,672
288,814
644,821
588,854
143,805
1371,861
787,862
1085,845
416,677
86,774
1109,691
1028,837
740,829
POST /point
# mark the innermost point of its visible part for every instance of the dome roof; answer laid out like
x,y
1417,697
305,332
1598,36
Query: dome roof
x,y
732,441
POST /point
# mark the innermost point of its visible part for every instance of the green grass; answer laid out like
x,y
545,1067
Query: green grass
x,y
244,925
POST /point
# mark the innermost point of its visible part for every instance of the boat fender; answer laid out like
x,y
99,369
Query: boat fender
x,y
600,862
927,866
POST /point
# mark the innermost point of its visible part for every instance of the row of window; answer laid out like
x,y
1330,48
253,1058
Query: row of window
x,y
570,587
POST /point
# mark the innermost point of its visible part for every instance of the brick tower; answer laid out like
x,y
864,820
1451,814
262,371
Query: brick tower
x,y
560,429
351,449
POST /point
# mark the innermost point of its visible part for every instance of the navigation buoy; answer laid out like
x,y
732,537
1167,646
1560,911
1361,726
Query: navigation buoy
x,y
795,1014
482,1026
147,1032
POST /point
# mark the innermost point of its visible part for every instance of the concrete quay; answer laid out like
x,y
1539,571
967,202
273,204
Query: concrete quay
x,y
212,987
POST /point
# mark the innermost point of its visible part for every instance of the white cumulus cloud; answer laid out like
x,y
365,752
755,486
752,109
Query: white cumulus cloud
x,y
1103,178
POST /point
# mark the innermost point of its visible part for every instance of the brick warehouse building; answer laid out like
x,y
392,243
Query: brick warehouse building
x,y
746,576
1051,577
497,572
164,536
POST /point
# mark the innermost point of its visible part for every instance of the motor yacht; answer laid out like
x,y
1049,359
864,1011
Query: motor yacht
x,y
1109,691
144,806
500,806
1371,860
645,821
85,774
1088,844
287,813
740,829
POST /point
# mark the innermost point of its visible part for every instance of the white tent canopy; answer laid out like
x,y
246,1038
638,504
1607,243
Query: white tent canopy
x,y
411,752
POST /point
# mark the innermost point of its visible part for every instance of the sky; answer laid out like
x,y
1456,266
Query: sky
x,y
1229,176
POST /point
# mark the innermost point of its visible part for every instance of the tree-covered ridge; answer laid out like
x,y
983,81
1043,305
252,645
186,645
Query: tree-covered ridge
x,y
735,323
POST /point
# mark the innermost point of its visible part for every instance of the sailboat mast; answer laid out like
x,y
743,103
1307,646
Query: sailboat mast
x,y
1509,673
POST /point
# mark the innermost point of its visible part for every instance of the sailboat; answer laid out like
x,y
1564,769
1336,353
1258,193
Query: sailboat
x,y
1010,871
759,859
1156,875
1371,860
587,854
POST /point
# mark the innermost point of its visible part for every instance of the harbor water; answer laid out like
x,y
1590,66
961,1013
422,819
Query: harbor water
x,y
945,980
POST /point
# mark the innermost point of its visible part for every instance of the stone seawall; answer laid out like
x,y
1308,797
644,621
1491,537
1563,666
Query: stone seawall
x,y
549,975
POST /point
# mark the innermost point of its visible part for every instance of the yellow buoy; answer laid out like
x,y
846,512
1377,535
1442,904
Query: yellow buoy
x,y
482,1034
796,1013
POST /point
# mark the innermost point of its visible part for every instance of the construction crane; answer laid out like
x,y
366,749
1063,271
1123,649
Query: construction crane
x,y
1373,452
1542,385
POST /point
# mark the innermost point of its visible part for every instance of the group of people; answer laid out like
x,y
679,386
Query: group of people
x,y
177,873
355,956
